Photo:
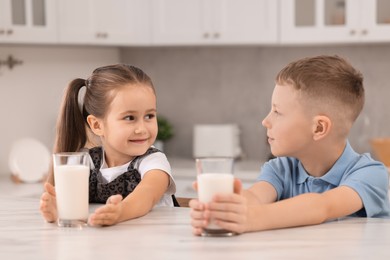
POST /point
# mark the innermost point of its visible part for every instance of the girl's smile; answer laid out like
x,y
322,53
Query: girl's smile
x,y
139,141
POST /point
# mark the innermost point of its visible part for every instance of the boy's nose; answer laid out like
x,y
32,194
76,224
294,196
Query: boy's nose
x,y
265,122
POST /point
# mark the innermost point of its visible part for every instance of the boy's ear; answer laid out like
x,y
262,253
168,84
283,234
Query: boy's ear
x,y
321,128
95,124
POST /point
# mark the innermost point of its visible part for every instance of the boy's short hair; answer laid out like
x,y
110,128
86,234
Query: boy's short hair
x,y
329,83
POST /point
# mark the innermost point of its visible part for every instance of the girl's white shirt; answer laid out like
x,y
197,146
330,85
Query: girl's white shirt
x,y
154,161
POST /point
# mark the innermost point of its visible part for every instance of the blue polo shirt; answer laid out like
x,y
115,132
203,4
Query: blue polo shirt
x,y
369,178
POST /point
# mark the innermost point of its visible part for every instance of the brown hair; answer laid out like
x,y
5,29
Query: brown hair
x,y
100,88
327,80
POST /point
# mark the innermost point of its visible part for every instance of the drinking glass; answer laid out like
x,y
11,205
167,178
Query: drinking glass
x,y
214,175
71,176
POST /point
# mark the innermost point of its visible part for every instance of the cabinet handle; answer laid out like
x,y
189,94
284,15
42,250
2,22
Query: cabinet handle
x,y
364,32
101,35
206,35
352,32
2,31
10,31
216,35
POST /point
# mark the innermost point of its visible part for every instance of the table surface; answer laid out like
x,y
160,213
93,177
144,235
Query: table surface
x,y
165,233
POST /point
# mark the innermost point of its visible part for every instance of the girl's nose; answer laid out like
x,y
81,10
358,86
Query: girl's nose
x,y
140,129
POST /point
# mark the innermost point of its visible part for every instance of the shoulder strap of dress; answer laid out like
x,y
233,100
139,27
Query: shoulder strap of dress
x,y
96,154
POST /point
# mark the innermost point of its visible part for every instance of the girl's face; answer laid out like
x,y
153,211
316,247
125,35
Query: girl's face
x,y
289,126
130,125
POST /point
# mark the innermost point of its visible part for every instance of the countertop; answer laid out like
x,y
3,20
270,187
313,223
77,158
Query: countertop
x,y
165,233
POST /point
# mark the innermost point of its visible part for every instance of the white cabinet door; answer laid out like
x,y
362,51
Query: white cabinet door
x,y
75,23
28,21
123,22
4,18
106,22
180,22
317,21
334,21
246,21
204,22
376,20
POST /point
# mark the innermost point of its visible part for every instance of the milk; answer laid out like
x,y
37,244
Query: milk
x,y
71,185
211,183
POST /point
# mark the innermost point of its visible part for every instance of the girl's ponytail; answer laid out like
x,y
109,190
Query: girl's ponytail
x,y
71,126
71,134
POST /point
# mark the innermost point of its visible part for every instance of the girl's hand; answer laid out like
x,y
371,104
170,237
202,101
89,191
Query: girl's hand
x,y
48,204
229,211
108,214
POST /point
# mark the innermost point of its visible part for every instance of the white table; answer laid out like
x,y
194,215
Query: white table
x,y
165,233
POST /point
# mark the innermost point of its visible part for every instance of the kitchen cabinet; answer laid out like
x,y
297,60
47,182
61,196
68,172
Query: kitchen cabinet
x,y
104,22
28,21
334,21
204,22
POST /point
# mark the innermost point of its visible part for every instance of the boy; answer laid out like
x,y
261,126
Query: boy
x,y
316,175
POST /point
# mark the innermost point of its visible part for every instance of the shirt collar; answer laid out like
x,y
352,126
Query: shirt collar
x,y
334,175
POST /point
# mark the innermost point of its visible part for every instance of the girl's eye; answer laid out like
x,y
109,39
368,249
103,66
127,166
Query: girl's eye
x,y
276,112
129,118
150,116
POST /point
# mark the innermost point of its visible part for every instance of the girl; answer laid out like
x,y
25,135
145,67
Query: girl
x,y
127,173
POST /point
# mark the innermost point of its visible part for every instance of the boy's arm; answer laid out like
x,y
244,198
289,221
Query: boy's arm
x,y
261,192
306,209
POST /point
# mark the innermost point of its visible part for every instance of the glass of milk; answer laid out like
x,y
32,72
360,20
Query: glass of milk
x,y
214,175
71,177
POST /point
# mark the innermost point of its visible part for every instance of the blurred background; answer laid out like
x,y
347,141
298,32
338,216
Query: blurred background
x,y
212,62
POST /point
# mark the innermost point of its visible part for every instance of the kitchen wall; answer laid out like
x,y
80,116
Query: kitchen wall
x,y
30,94
194,85
197,85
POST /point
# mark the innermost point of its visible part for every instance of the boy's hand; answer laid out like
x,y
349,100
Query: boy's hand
x,y
229,211
48,204
108,214
198,218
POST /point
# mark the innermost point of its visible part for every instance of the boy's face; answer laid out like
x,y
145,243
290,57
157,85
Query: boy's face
x,y
289,126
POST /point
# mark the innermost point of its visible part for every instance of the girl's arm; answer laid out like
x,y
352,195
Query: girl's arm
x,y
138,203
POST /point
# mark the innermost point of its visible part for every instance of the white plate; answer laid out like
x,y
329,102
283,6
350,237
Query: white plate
x,y
29,160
